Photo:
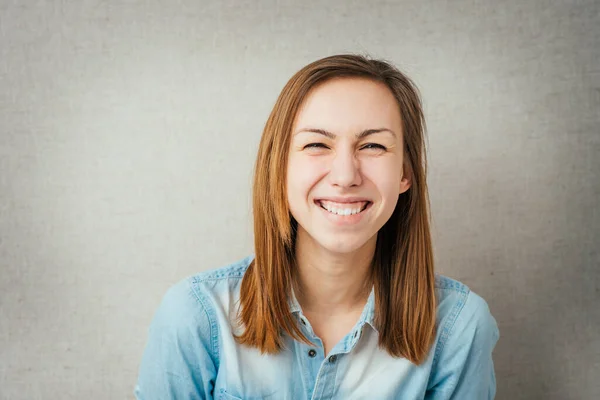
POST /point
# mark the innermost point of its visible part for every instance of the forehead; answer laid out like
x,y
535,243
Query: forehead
x,y
346,105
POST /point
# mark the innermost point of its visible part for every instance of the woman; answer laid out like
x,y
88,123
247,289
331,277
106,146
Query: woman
x,y
340,300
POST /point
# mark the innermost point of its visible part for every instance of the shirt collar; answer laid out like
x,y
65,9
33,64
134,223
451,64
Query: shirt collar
x,y
293,303
367,315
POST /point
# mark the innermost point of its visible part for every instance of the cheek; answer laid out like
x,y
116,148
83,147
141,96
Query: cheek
x,y
301,178
302,174
386,176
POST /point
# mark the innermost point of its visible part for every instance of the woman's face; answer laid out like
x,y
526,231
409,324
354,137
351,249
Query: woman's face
x,y
345,163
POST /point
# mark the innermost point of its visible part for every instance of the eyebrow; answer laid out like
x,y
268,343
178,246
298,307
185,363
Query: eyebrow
x,y
360,135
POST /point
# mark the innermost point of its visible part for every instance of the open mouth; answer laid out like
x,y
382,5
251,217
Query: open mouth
x,y
343,209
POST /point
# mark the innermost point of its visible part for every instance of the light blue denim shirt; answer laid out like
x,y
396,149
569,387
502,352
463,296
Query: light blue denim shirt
x,y
191,353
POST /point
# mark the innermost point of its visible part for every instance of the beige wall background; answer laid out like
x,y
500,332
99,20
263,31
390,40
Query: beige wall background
x,y
128,132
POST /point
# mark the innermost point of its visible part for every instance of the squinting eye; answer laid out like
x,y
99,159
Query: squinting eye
x,y
315,146
374,146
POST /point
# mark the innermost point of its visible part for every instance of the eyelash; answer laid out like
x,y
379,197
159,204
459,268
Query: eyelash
x,y
366,146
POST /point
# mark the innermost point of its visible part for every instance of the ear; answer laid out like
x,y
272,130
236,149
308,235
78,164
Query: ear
x,y
406,180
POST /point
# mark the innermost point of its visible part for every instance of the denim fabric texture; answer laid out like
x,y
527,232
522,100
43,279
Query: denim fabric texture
x,y
191,352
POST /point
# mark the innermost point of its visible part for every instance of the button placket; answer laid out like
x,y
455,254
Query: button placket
x,y
325,382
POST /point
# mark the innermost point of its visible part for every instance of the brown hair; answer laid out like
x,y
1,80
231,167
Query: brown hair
x,y
403,262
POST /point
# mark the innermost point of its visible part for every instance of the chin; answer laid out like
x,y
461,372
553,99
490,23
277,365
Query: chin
x,y
342,245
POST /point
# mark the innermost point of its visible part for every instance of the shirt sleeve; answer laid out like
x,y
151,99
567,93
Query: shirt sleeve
x,y
464,368
180,358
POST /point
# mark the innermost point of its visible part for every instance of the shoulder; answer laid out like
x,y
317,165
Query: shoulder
x,y
233,271
193,301
451,296
198,287
456,300
463,317
192,314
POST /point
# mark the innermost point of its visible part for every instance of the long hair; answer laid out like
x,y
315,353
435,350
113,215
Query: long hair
x,y
403,270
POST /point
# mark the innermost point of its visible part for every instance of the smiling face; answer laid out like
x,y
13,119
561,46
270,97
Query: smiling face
x,y
345,164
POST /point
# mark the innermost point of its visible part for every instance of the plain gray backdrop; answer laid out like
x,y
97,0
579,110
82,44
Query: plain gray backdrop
x,y
128,132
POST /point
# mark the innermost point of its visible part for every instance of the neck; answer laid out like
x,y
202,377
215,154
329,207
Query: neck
x,y
329,283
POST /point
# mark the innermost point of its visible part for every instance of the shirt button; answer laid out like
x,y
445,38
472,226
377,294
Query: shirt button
x,y
332,359
312,353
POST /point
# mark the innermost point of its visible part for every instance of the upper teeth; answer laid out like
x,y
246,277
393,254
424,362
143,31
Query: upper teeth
x,y
343,209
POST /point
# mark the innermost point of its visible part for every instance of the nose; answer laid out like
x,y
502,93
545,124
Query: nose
x,y
345,171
